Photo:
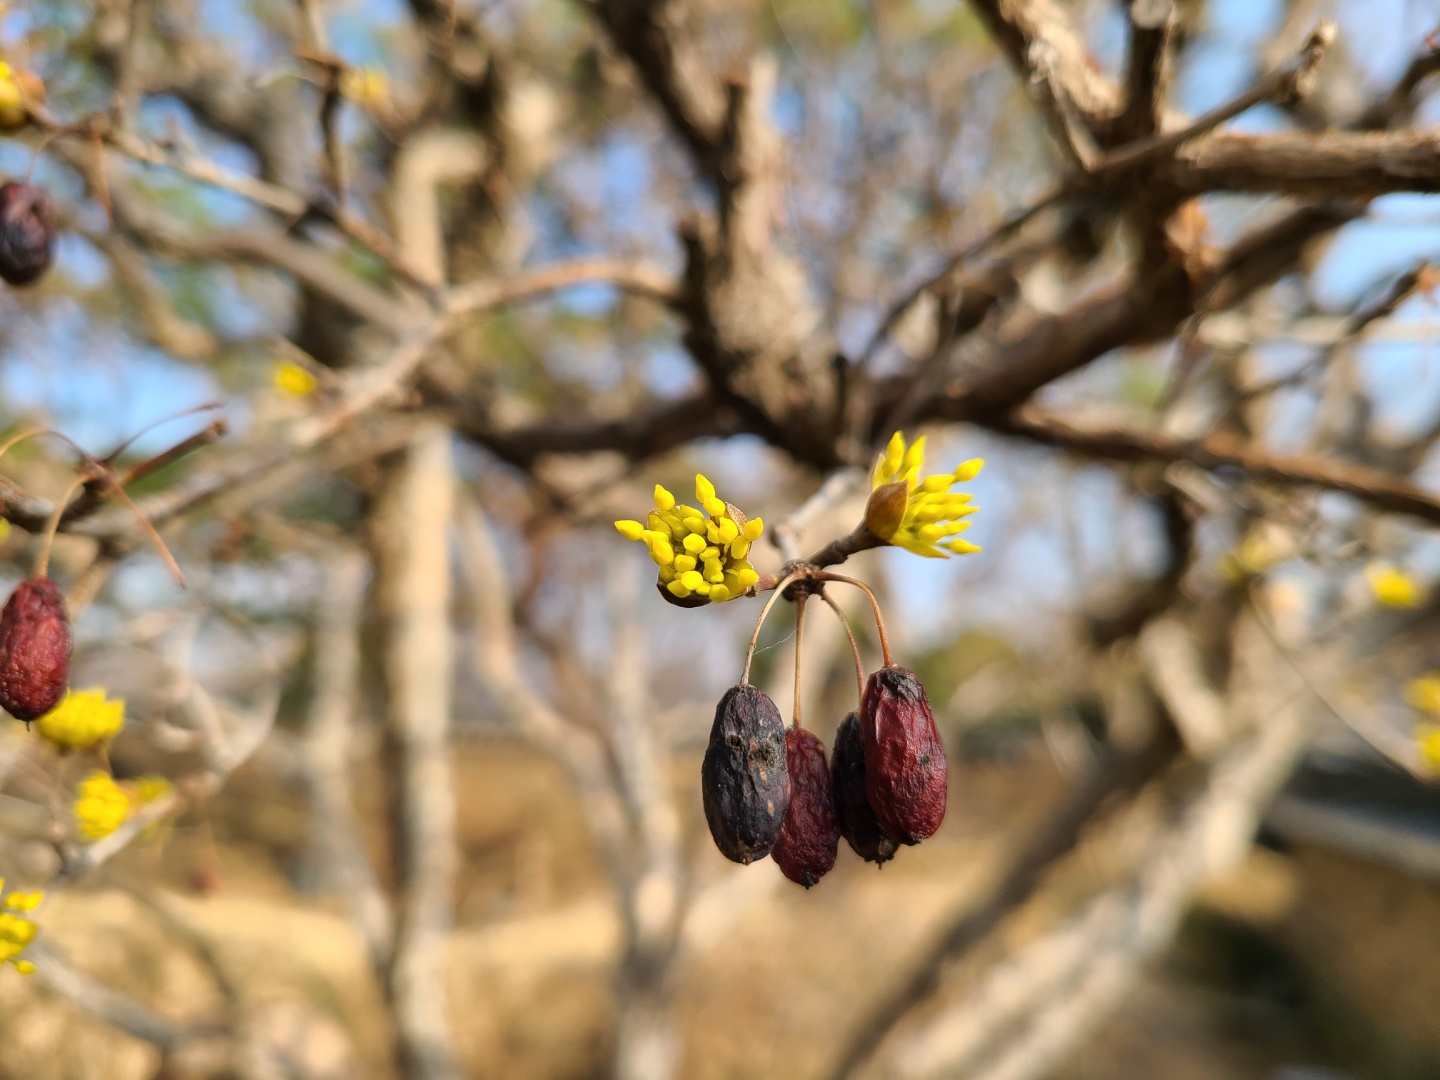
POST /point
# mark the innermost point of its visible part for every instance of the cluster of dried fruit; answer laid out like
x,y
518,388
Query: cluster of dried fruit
x,y
769,791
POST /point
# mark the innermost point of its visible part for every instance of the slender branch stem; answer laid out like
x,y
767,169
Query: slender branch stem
x,y
799,639
825,575
42,561
854,645
755,636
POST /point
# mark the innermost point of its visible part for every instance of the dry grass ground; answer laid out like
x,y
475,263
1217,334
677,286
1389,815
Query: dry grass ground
x,y
1351,953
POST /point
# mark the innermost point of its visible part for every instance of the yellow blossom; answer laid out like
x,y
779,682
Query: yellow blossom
x,y
292,379
367,87
1427,739
1424,693
922,516
16,933
101,805
1393,587
144,790
18,88
84,718
702,554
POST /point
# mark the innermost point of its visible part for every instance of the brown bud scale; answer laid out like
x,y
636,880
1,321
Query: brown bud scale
x,y
905,769
34,649
27,232
809,838
857,821
743,779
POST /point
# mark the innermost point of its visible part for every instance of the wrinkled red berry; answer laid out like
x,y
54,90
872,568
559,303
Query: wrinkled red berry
x,y
857,821
27,232
34,649
905,768
744,781
805,849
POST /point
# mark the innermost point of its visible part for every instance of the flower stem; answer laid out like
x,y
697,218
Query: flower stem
x,y
825,575
799,637
42,561
854,645
754,637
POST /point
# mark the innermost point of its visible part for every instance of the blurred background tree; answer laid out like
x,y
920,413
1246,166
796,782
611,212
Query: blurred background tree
x,y
408,779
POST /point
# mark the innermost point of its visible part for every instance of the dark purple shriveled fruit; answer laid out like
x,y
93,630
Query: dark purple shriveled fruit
x,y
806,846
34,649
743,779
27,232
857,821
905,768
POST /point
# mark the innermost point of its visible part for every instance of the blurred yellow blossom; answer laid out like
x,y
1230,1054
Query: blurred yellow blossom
x,y
100,805
1427,739
292,379
84,718
702,554
922,516
18,88
367,87
1424,693
17,931
1262,548
1392,586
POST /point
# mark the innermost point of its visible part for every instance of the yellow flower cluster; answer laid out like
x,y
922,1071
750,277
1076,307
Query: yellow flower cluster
x,y
701,553
17,931
293,380
84,718
102,805
1424,694
18,88
1393,587
922,516
367,87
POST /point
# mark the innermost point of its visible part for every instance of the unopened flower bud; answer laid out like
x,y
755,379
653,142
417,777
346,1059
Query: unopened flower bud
x,y
27,232
857,821
34,649
810,836
744,779
905,770
885,509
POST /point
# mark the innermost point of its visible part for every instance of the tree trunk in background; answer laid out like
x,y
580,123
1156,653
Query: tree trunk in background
x,y
410,537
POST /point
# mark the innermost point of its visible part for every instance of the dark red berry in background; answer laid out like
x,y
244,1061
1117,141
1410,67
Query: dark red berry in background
x,y
34,649
744,781
805,849
857,821
905,769
27,232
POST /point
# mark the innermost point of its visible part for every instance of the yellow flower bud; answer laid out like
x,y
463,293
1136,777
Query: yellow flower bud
x,y
753,528
663,499
693,544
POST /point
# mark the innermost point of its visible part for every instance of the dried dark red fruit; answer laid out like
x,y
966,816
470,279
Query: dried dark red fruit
x,y
744,780
805,849
27,232
34,649
857,821
905,768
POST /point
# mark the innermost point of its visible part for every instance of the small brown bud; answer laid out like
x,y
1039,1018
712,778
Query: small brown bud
x,y
744,779
34,649
905,769
885,509
27,232
857,821
810,836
